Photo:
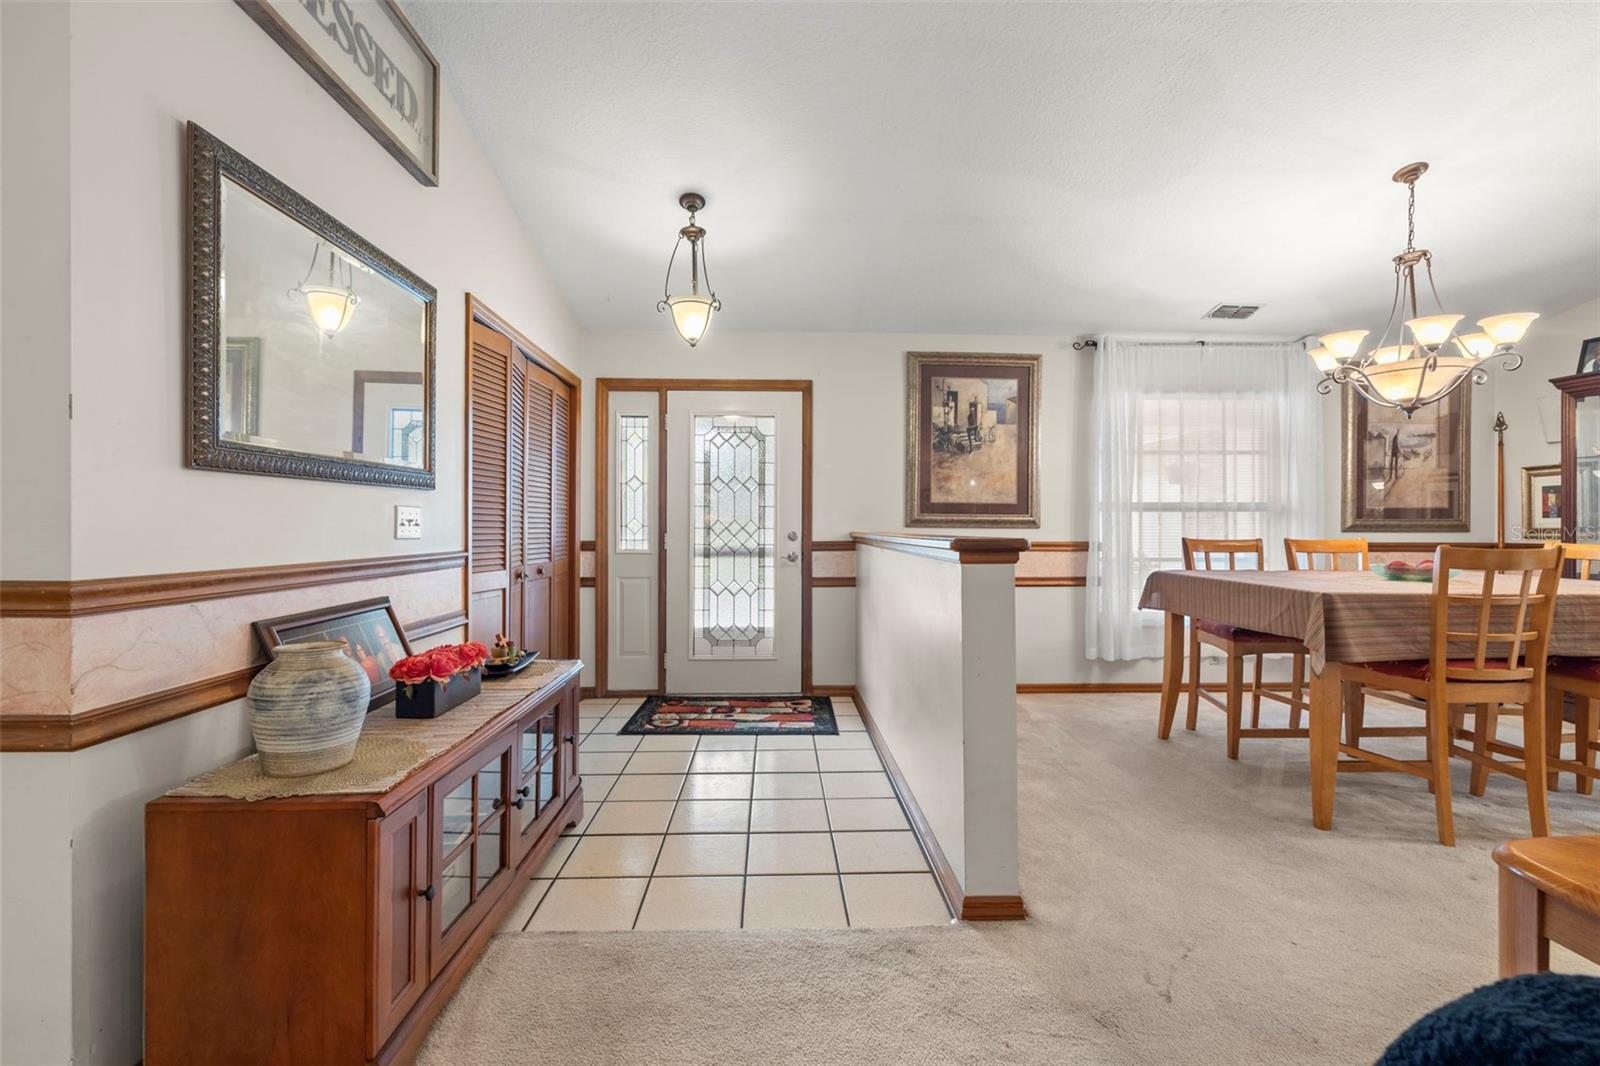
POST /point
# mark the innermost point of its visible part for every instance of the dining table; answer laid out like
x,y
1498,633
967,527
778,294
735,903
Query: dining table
x,y
1341,616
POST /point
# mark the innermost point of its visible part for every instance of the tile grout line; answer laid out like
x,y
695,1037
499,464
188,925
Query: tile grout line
x,y
651,878
838,871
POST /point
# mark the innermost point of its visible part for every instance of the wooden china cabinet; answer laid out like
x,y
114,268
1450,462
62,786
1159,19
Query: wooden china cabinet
x,y
1580,456
333,928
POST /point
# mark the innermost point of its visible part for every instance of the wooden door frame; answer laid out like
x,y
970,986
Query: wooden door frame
x,y
482,314
602,504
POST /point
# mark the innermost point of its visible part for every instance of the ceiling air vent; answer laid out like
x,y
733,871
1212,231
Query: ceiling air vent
x,y
1232,311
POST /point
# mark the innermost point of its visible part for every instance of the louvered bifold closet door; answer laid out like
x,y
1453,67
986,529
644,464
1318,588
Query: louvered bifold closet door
x,y
539,413
561,485
490,420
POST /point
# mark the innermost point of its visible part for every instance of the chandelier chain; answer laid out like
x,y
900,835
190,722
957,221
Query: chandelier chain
x,y
1411,215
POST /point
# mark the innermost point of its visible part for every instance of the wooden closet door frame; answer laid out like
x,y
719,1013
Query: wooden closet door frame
x,y
483,315
602,518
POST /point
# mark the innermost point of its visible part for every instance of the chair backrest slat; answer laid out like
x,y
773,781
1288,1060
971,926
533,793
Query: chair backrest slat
x,y
1584,555
1339,553
1199,551
1531,608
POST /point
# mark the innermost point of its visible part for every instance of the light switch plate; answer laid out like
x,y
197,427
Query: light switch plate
x,y
407,522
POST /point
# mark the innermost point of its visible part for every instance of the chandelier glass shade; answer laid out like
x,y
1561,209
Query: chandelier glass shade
x,y
1437,360
330,303
692,310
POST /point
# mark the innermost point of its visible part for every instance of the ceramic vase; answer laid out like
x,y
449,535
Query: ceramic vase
x,y
306,709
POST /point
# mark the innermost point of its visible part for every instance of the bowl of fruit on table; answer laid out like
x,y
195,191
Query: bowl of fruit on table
x,y
1401,570
505,658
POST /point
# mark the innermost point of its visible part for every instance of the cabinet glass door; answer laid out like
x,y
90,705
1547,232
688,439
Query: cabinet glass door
x,y
1584,523
538,785
471,837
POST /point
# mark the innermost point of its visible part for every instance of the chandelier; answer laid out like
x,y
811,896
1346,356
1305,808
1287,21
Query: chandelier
x,y
691,311
332,303
1438,360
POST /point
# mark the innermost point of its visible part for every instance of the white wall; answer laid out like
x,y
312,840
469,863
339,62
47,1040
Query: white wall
x,y
95,101
139,72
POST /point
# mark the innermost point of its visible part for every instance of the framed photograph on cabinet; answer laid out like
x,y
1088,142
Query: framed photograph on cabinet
x,y
1407,473
972,439
1589,356
370,629
368,57
1541,502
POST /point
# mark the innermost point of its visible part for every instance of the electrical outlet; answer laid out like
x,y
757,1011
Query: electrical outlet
x,y
407,522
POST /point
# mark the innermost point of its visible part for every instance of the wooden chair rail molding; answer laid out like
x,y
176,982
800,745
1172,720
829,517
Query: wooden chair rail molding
x,y
62,732
953,549
68,599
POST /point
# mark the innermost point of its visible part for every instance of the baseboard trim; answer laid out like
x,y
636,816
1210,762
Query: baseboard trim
x,y
983,908
992,909
1038,688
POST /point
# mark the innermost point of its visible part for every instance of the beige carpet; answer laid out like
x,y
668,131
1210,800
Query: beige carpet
x,y
1184,912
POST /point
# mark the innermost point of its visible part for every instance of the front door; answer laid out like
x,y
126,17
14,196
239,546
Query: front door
x,y
734,469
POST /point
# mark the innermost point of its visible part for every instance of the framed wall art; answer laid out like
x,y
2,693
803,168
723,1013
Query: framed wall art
x,y
368,57
370,629
972,439
1589,356
1407,473
1541,502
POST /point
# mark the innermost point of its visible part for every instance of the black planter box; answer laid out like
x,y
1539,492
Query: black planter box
x,y
431,699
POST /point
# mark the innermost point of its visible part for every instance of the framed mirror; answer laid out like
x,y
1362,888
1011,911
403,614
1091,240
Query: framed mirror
x,y
311,352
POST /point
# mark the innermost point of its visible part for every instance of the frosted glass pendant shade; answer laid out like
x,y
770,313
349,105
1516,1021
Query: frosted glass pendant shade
x,y
331,309
691,316
1507,329
1432,330
1324,359
1477,345
1410,382
1345,345
1393,353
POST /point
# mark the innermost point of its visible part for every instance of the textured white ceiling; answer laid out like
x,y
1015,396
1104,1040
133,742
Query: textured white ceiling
x,y
1040,168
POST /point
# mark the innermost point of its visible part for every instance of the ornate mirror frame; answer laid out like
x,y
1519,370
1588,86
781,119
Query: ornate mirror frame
x,y
208,160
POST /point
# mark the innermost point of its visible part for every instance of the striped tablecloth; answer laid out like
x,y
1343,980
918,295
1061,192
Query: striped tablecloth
x,y
1352,616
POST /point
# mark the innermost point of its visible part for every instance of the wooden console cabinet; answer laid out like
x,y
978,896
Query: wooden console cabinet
x,y
332,929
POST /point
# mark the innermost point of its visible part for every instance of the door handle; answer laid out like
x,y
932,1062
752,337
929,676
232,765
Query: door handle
x,y
793,557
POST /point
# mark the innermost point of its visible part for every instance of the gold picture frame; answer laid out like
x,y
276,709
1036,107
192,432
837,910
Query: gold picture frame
x,y
1541,502
972,439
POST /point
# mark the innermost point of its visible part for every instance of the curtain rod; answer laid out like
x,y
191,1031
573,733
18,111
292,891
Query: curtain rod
x,y
1091,342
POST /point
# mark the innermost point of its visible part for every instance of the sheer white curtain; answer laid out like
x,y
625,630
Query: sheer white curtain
x,y
1213,440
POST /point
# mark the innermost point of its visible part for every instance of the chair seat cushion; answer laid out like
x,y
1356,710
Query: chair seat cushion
x,y
1583,669
1422,669
1227,632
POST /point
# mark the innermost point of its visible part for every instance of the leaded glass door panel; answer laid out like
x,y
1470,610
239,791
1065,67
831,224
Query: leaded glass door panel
x,y
733,542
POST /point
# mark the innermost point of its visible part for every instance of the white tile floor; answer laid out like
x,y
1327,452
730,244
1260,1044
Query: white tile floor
x,y
718,832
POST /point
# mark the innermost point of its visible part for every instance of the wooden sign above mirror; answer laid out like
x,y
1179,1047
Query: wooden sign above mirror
x,y
311,352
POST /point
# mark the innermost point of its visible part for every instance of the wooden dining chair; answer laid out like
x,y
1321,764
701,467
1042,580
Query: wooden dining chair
x,y
1579,678
1340,554
1236,644
1487,649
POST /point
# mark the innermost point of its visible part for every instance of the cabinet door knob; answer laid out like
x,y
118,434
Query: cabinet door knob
x,y
523,791
520,801
427,893
498,803
572,738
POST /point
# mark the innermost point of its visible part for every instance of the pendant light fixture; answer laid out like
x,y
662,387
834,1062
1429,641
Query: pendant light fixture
x,y
691,311
332,303
1438,360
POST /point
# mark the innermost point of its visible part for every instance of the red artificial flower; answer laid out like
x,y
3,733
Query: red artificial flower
x,y
412,670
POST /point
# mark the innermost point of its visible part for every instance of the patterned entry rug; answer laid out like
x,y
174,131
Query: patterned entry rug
x,y
750,715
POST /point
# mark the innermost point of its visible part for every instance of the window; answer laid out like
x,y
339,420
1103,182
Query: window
x,y
633,483
405,436
1191,440
734,536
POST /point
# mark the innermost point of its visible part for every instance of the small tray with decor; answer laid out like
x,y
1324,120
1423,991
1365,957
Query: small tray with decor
x,y
1404,571
506,659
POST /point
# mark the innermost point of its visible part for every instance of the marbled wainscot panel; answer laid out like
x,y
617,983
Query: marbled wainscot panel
x,y
127,654
1053,564
35,666
832,564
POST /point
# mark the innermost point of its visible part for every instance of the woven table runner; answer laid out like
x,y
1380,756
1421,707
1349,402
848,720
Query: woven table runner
x,y
380,763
